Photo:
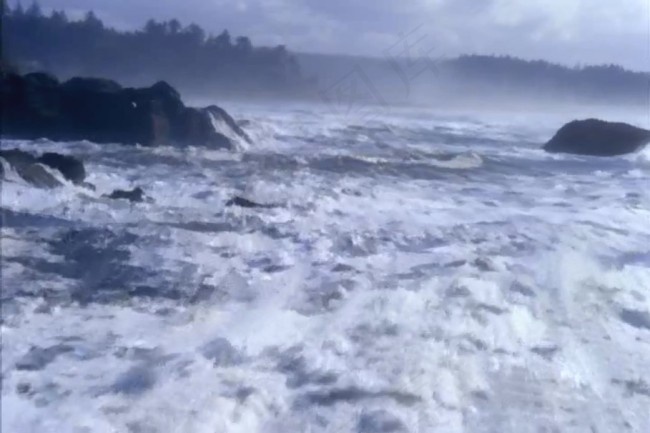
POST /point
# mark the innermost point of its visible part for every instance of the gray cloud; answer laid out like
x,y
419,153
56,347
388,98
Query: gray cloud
x,y
568,31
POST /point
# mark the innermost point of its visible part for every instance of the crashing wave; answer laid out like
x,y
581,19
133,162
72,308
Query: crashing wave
x,y
221,126
463,161
642,157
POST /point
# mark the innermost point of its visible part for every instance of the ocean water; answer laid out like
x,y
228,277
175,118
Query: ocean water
x,y
419,272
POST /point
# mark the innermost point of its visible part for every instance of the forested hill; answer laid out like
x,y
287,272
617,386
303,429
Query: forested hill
x,y
479,80
503,75
186,56
206,65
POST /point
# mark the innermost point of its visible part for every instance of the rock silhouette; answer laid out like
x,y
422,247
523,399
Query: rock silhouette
x,y
135,195
598,138
37,105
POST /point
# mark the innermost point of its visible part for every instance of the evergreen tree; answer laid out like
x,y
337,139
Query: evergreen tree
x,y
92,22
243,45
5,9
34,10
174,26
223,40
18,12
59,18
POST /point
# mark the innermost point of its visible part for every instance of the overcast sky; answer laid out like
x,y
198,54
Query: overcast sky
x,y
568,31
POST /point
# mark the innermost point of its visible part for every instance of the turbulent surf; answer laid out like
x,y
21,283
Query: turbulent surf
x,y
401,272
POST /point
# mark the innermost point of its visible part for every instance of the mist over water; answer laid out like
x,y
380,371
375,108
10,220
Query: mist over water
x,y
417,272
417,71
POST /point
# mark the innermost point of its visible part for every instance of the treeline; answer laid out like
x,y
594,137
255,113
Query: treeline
x,y
186,56
199,63
507,75
481,80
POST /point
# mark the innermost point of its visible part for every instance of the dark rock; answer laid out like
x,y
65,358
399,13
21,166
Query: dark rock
x,y
102,111
136,195
71,168
30,104
37,175
91,85
598,138
41,79
32,170
28,168
197,128
242,202
17,157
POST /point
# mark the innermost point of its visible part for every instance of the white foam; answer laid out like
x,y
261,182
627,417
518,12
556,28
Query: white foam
x,y
468,301
467,161
224,129
642,157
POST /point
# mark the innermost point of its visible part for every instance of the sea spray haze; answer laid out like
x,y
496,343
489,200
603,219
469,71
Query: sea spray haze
x,y
389,248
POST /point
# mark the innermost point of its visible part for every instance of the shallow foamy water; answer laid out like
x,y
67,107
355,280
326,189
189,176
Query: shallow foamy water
x,y
420,273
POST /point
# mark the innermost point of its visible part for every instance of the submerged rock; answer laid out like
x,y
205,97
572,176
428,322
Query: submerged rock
x,y
243,202
102,111
598,138
136,195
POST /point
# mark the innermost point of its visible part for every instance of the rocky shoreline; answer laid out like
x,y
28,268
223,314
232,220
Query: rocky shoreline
x,y
37,106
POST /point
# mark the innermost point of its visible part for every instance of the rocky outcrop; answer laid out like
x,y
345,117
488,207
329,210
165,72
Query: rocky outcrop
x,y
71,168
37,105
45,171
36,170
598,138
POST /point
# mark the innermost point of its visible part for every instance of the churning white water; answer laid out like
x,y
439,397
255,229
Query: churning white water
x,y
417,273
